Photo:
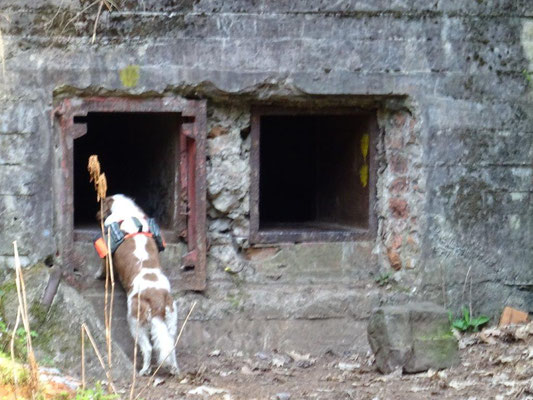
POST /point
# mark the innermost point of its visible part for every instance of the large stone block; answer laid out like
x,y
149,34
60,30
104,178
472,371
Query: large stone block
x,y
414,337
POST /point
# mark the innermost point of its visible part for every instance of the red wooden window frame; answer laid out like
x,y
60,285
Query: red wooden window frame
x,y
189,221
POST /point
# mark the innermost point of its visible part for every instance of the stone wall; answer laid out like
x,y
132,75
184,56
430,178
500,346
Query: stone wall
x,y
449,81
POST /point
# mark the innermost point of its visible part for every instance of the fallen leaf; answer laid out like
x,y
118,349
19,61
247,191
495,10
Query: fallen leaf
x,y
206,390
158,381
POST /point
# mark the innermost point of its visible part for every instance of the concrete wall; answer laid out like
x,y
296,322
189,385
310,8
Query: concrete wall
x,y
455,111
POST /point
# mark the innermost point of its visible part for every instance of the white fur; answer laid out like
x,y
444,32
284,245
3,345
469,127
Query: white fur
x,y
163,333
123,209
164,342
140,284
143,340
140,248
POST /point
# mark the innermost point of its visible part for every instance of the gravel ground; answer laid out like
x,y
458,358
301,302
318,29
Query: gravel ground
x,y
495,364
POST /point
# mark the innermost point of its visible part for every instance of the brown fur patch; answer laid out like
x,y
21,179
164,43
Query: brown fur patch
x,y
152,302
127,266
150,277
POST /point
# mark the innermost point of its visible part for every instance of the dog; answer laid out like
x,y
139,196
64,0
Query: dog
x,y
152,312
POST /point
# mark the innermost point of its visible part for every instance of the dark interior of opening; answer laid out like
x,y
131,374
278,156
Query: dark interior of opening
x,y
138,153
312,171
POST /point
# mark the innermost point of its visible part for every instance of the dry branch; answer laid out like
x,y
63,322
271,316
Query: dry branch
x,y
23,308
100,359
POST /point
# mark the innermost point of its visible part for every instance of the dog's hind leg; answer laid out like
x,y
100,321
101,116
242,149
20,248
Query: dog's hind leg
x,y
143,340
139,329
171,321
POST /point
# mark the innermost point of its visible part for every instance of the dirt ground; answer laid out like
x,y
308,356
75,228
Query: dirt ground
x,y
495,364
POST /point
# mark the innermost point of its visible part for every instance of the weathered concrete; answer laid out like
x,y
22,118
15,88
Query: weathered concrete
x,y
414,337
454,198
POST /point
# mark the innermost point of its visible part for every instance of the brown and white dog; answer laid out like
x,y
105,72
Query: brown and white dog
x,y
136,261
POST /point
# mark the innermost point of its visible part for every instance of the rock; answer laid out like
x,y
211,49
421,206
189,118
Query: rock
x,y
350,367
414,337
58,329
512,316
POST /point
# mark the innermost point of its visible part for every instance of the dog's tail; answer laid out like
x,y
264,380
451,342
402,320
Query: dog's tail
x,y
163,342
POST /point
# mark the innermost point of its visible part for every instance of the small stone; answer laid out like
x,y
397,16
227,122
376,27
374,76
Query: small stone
x,y
394,259
399,186
521,333
158,381
512,316
399,208
262,356
398,164
305,363
281,396
217,131
279,361
348,366
246,370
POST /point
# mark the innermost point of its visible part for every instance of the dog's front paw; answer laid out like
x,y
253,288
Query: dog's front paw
x,y
145,371
174,371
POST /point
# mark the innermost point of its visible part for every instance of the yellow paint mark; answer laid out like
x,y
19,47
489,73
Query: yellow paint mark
x,y
129,76
365,141
363,175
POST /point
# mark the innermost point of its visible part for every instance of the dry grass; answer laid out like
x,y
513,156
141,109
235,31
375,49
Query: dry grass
x,y
100,186
23,315
97,5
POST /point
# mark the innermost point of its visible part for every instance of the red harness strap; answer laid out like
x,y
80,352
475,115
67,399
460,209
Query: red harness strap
x,y
129,235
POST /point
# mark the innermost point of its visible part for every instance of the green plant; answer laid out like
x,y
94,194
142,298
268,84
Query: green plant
x,y
383,279
97,393
528,76
20,339
466,323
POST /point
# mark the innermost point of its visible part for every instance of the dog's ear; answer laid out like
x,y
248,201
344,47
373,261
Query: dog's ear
x,y
106,209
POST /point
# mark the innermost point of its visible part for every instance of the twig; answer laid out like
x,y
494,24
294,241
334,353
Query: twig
x,y
443,278
464,285
133,379
100,186
86,328
96,20
110,312
173,348
106,319
82,358
49,23
21,293
12,348
78,15
470,298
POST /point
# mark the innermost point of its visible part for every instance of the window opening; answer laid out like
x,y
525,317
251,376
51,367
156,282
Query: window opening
x,y
138,152
315,176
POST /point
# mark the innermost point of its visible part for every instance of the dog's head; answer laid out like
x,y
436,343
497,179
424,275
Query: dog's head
x,y
105,211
